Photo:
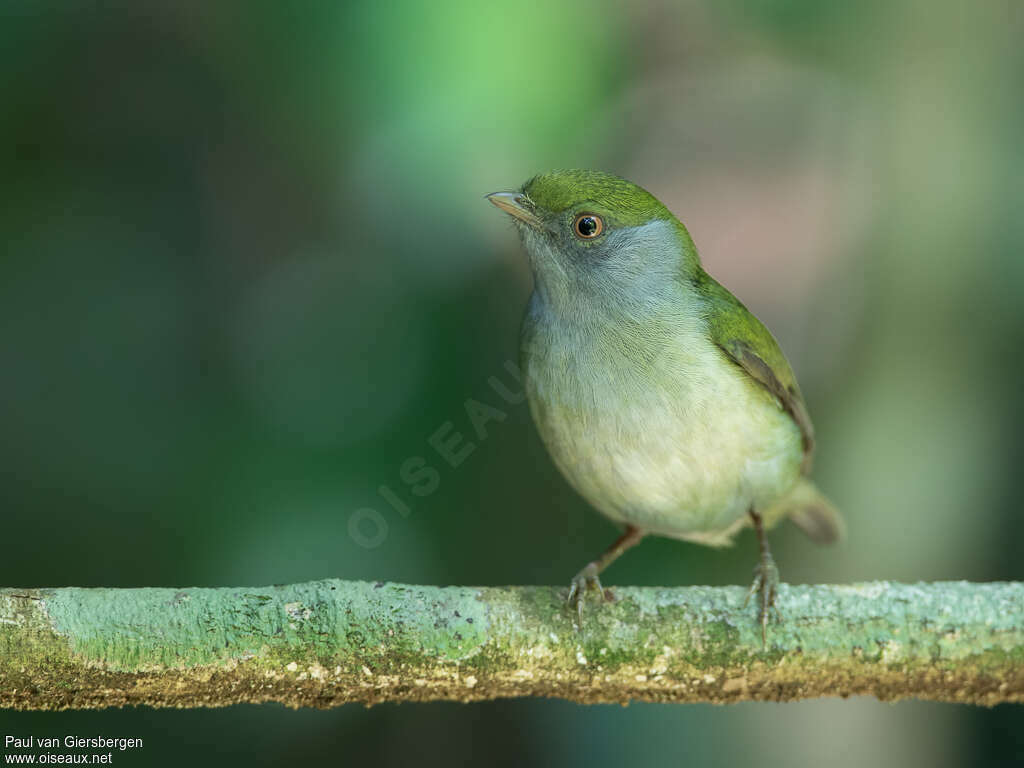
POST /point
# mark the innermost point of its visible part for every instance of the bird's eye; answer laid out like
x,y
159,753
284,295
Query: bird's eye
x,y
587,226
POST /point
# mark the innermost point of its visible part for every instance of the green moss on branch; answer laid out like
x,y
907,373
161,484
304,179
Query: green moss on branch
x,y
325,643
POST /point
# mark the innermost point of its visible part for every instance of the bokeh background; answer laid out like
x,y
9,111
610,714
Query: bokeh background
x,y
247,271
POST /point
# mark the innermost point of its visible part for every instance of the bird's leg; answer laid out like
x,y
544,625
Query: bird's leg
x,y
588,577
766,578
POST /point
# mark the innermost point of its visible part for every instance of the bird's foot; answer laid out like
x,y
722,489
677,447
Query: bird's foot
x,y
766,582
581,582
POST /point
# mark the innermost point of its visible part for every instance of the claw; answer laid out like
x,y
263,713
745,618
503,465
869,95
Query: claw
x,y
766,581
581,582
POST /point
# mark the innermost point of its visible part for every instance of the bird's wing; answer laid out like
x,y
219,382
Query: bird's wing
x,y
750,345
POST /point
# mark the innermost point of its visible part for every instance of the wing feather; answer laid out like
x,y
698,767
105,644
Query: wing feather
x,y
750,345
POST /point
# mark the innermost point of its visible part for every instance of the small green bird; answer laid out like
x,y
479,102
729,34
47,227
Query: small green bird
x,y
660,397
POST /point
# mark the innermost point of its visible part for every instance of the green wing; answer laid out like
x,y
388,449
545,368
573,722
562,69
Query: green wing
x,y
752,347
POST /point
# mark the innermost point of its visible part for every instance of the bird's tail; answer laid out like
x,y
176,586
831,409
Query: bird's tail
x,y
812,513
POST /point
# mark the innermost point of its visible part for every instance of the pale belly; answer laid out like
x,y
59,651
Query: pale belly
x,y
682,445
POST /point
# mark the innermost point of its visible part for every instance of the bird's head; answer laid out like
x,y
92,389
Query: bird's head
x,y
592,235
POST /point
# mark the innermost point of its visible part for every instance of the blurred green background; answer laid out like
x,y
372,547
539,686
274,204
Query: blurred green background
x,y
248,270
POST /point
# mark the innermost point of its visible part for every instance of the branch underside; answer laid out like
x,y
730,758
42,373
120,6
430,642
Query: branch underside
x,y
325,643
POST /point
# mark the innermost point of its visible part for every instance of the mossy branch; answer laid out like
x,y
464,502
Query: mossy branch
x,y
329,642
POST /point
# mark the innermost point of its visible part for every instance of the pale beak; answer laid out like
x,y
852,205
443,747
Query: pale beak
x,y
515,204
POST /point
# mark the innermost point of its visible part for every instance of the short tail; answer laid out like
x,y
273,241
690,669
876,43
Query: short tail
x,y
812,513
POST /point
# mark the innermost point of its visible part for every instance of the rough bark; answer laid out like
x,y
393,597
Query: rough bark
x,y
326,643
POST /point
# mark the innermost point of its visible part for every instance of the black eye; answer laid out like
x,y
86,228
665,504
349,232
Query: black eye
x,y
587,226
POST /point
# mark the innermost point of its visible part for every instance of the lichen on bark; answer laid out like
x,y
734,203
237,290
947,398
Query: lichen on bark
x,y
329,642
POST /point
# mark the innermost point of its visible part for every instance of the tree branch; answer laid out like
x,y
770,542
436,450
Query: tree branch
x,y
329,642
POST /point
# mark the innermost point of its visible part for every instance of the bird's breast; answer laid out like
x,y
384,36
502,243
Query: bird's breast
x,y
656,427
